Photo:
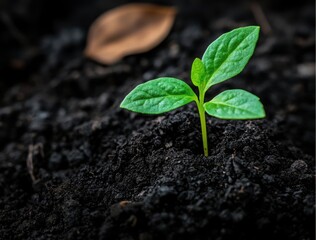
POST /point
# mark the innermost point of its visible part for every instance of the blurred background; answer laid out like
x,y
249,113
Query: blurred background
x,y
40,35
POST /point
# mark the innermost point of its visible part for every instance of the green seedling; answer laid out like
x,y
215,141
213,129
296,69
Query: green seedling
x,y
223,59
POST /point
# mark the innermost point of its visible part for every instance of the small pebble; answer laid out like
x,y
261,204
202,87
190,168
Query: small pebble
x,y
299,166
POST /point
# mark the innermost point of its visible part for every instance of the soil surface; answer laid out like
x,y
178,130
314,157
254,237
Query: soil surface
x,y
73,165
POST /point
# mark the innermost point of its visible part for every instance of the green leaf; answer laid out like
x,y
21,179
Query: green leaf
x,y
158,96
228,55
198,72
235,104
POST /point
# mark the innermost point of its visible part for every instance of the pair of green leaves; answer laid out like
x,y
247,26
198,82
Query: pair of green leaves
x,y
223,59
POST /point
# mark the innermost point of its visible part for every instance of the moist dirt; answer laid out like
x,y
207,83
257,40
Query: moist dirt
x,y
73,165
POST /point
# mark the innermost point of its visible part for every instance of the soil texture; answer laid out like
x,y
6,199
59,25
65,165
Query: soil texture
x,y
73,165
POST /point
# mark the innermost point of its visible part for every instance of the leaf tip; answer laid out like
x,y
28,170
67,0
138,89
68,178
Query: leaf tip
x,y
256,29
123,103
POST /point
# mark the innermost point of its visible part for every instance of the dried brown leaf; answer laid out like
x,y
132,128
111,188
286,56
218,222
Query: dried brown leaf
x,y
129,29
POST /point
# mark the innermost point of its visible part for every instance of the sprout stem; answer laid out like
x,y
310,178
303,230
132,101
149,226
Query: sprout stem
x,y
203,121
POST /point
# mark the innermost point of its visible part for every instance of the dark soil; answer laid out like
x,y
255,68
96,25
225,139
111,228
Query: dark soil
x,y
73,165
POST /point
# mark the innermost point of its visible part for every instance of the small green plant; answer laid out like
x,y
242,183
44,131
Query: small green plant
x,y
223,59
